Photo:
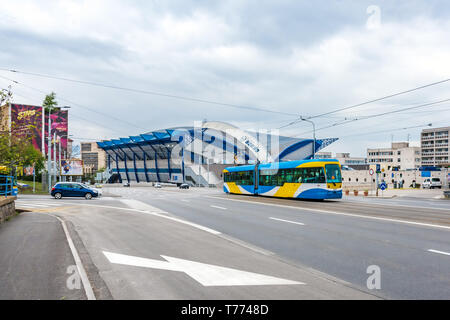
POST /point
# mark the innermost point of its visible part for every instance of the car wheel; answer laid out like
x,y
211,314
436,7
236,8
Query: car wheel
x,y
58,195
88,196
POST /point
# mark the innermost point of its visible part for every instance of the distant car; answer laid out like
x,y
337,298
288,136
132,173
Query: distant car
x,y
432,183
158,185
73,189
184,186
126,184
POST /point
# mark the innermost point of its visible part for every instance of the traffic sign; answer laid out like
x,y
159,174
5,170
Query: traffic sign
x,y
378,168
383,186
371,172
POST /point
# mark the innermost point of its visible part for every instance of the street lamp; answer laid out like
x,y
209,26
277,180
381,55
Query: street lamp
x,y
49,148
314,133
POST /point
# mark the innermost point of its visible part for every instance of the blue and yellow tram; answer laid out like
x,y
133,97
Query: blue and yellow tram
x,y
305,179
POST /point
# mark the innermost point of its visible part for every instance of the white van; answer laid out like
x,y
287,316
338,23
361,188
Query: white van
x,y
431,183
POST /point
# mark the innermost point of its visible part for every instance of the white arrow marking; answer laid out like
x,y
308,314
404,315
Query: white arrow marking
x,y
206,274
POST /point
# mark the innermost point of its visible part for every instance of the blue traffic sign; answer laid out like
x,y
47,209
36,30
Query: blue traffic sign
x,y
383,186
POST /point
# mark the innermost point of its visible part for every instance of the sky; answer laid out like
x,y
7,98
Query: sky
x,y
294,58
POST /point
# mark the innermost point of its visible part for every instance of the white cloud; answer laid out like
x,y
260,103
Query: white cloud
x,y
214,54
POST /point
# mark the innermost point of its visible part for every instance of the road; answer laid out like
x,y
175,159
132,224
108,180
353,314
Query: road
x,y
151,243
339,238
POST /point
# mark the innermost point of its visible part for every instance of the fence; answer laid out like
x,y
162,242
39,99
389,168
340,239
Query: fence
x,y
6,185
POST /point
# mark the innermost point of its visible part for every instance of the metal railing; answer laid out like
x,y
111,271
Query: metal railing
x,y
6,185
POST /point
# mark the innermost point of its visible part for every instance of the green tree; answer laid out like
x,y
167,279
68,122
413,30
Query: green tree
x,y
50,102
5,95
16,148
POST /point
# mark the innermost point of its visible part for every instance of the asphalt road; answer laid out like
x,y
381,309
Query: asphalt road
x,y
324,247
340,238
187,261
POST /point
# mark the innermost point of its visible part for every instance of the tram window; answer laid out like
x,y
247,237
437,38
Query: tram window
x,y
240,178
309,175
334,173
299,175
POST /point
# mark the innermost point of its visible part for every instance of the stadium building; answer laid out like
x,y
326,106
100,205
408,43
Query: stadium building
x,y
197,155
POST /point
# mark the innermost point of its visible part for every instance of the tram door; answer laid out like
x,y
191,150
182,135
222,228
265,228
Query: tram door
x,y
256,178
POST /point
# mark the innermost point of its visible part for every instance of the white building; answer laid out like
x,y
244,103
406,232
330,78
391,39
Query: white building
x,y
435,147
400,156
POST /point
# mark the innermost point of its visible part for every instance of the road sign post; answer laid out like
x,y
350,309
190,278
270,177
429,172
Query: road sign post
x,y
371,172
383,186
378,170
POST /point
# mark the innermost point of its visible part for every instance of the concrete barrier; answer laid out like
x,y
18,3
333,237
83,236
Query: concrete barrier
x,y
7,208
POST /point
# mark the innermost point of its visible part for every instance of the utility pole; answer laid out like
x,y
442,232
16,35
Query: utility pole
x,y
59,159
34,178
207,160
54,157
49,150
314,133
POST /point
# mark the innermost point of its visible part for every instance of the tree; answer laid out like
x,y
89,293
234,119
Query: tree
x,y
50,102
5,95
16,148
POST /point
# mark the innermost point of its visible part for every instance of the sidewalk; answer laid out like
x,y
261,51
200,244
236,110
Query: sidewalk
x,y
410,193
34,259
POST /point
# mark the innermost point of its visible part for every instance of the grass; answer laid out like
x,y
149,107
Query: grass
x,y
30,190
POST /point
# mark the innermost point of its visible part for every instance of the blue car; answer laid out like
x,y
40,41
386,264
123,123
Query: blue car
x,y
73,189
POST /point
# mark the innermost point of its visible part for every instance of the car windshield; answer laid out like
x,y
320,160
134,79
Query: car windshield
x,y
436,179
333,173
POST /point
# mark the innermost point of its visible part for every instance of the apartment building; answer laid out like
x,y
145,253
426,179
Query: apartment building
x,y
93,157
400,156
324,155
434,144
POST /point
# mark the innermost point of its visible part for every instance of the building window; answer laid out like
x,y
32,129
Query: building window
x,y
86,147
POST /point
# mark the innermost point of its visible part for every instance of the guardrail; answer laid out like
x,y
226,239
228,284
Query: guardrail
x,y
6,185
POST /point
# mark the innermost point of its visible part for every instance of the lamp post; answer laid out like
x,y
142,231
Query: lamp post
x,y
314,133
49,146
61,153
49,149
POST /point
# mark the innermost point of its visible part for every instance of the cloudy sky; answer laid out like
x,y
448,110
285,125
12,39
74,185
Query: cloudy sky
x,y
294,58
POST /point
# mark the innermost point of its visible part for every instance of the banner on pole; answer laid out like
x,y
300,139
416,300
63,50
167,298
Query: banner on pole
x,y
72,167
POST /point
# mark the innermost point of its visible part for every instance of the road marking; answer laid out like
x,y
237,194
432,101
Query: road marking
x,y
293,222
206,274
81,271
217,207
440,252
184,200
148,209
338,213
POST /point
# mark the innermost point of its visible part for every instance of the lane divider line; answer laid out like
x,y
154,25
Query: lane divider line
x,y
339,213
217,207
288,221
81,271
439,252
